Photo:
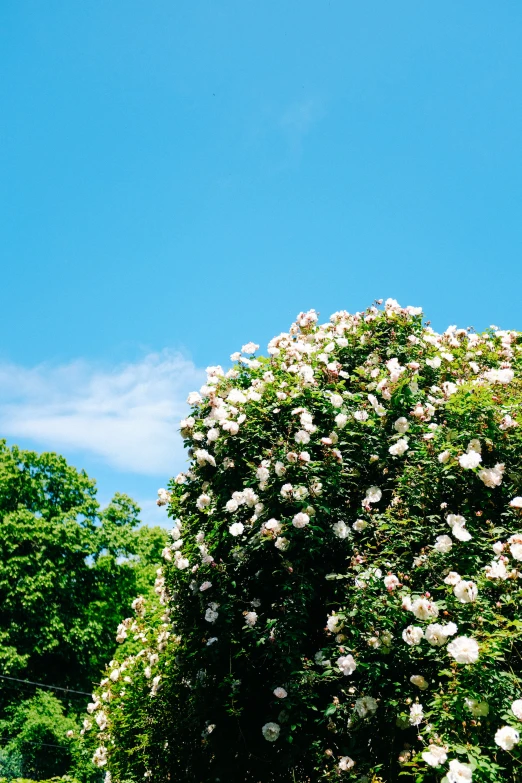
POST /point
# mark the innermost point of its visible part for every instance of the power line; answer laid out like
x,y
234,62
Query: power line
x,y
28,742
43,685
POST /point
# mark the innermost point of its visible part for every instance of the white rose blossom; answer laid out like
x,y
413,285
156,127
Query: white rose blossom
x,y
464,650
507,737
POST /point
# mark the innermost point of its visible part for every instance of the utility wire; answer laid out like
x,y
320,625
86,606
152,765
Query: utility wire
x,y
28,742
43,685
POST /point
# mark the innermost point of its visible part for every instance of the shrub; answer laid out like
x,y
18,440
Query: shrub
x,y
341,593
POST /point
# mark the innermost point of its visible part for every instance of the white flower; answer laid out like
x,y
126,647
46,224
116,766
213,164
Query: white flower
x,y
474,445
300,493
435,635
302,436
341,420
507,737
459,773
419,681
271,731
499,376
450,629
213,434
365,705
101,720
346,664
434,363
507,422
280,693
516,502
286,490
346,763
399,448
194,398
341,529
443,544
496,570
361,416
413,635
457,524
391,582
516,709
182,562
203,456
300,520
262,473
402,425
469,460
274,526
452,578
416,714
336,400
334,623
359,525
460,533
280,469
492,477
236,397
203,501
466,591
205,586
236,529
516,550
211,615
100,756
281,543
444,457
373,495
424,609
251,618
212,641
249,348
435,755
464,649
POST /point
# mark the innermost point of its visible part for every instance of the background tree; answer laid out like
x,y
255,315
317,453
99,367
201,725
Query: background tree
x,y
68,574
343,586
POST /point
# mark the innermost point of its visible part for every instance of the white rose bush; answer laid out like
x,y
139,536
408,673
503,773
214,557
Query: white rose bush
x,y
341,596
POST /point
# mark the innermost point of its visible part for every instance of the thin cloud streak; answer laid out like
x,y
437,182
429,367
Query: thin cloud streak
x,y
127,416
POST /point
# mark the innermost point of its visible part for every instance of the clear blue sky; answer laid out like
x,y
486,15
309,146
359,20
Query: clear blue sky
x,y
189,175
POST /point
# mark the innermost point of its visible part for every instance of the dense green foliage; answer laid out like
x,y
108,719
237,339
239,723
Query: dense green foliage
x,y
341,596
69,571
38,744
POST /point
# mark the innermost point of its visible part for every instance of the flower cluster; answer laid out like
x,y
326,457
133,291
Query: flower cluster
x,y
344,574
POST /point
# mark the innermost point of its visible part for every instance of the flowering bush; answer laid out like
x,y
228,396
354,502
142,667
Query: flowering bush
x,y
341,595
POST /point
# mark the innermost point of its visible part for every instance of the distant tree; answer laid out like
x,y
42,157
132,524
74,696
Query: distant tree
x,y
68,570
30,727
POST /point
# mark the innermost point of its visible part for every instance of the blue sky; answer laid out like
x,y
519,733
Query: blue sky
x,y
181,177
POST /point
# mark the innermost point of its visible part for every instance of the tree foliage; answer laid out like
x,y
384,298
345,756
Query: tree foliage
x,y
341,595
69,571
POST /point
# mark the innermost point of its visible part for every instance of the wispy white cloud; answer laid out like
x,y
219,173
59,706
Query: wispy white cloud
x,y
127,416
298,119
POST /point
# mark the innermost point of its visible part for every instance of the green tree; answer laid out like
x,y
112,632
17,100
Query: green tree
x,y
69,571
37,743
342,592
